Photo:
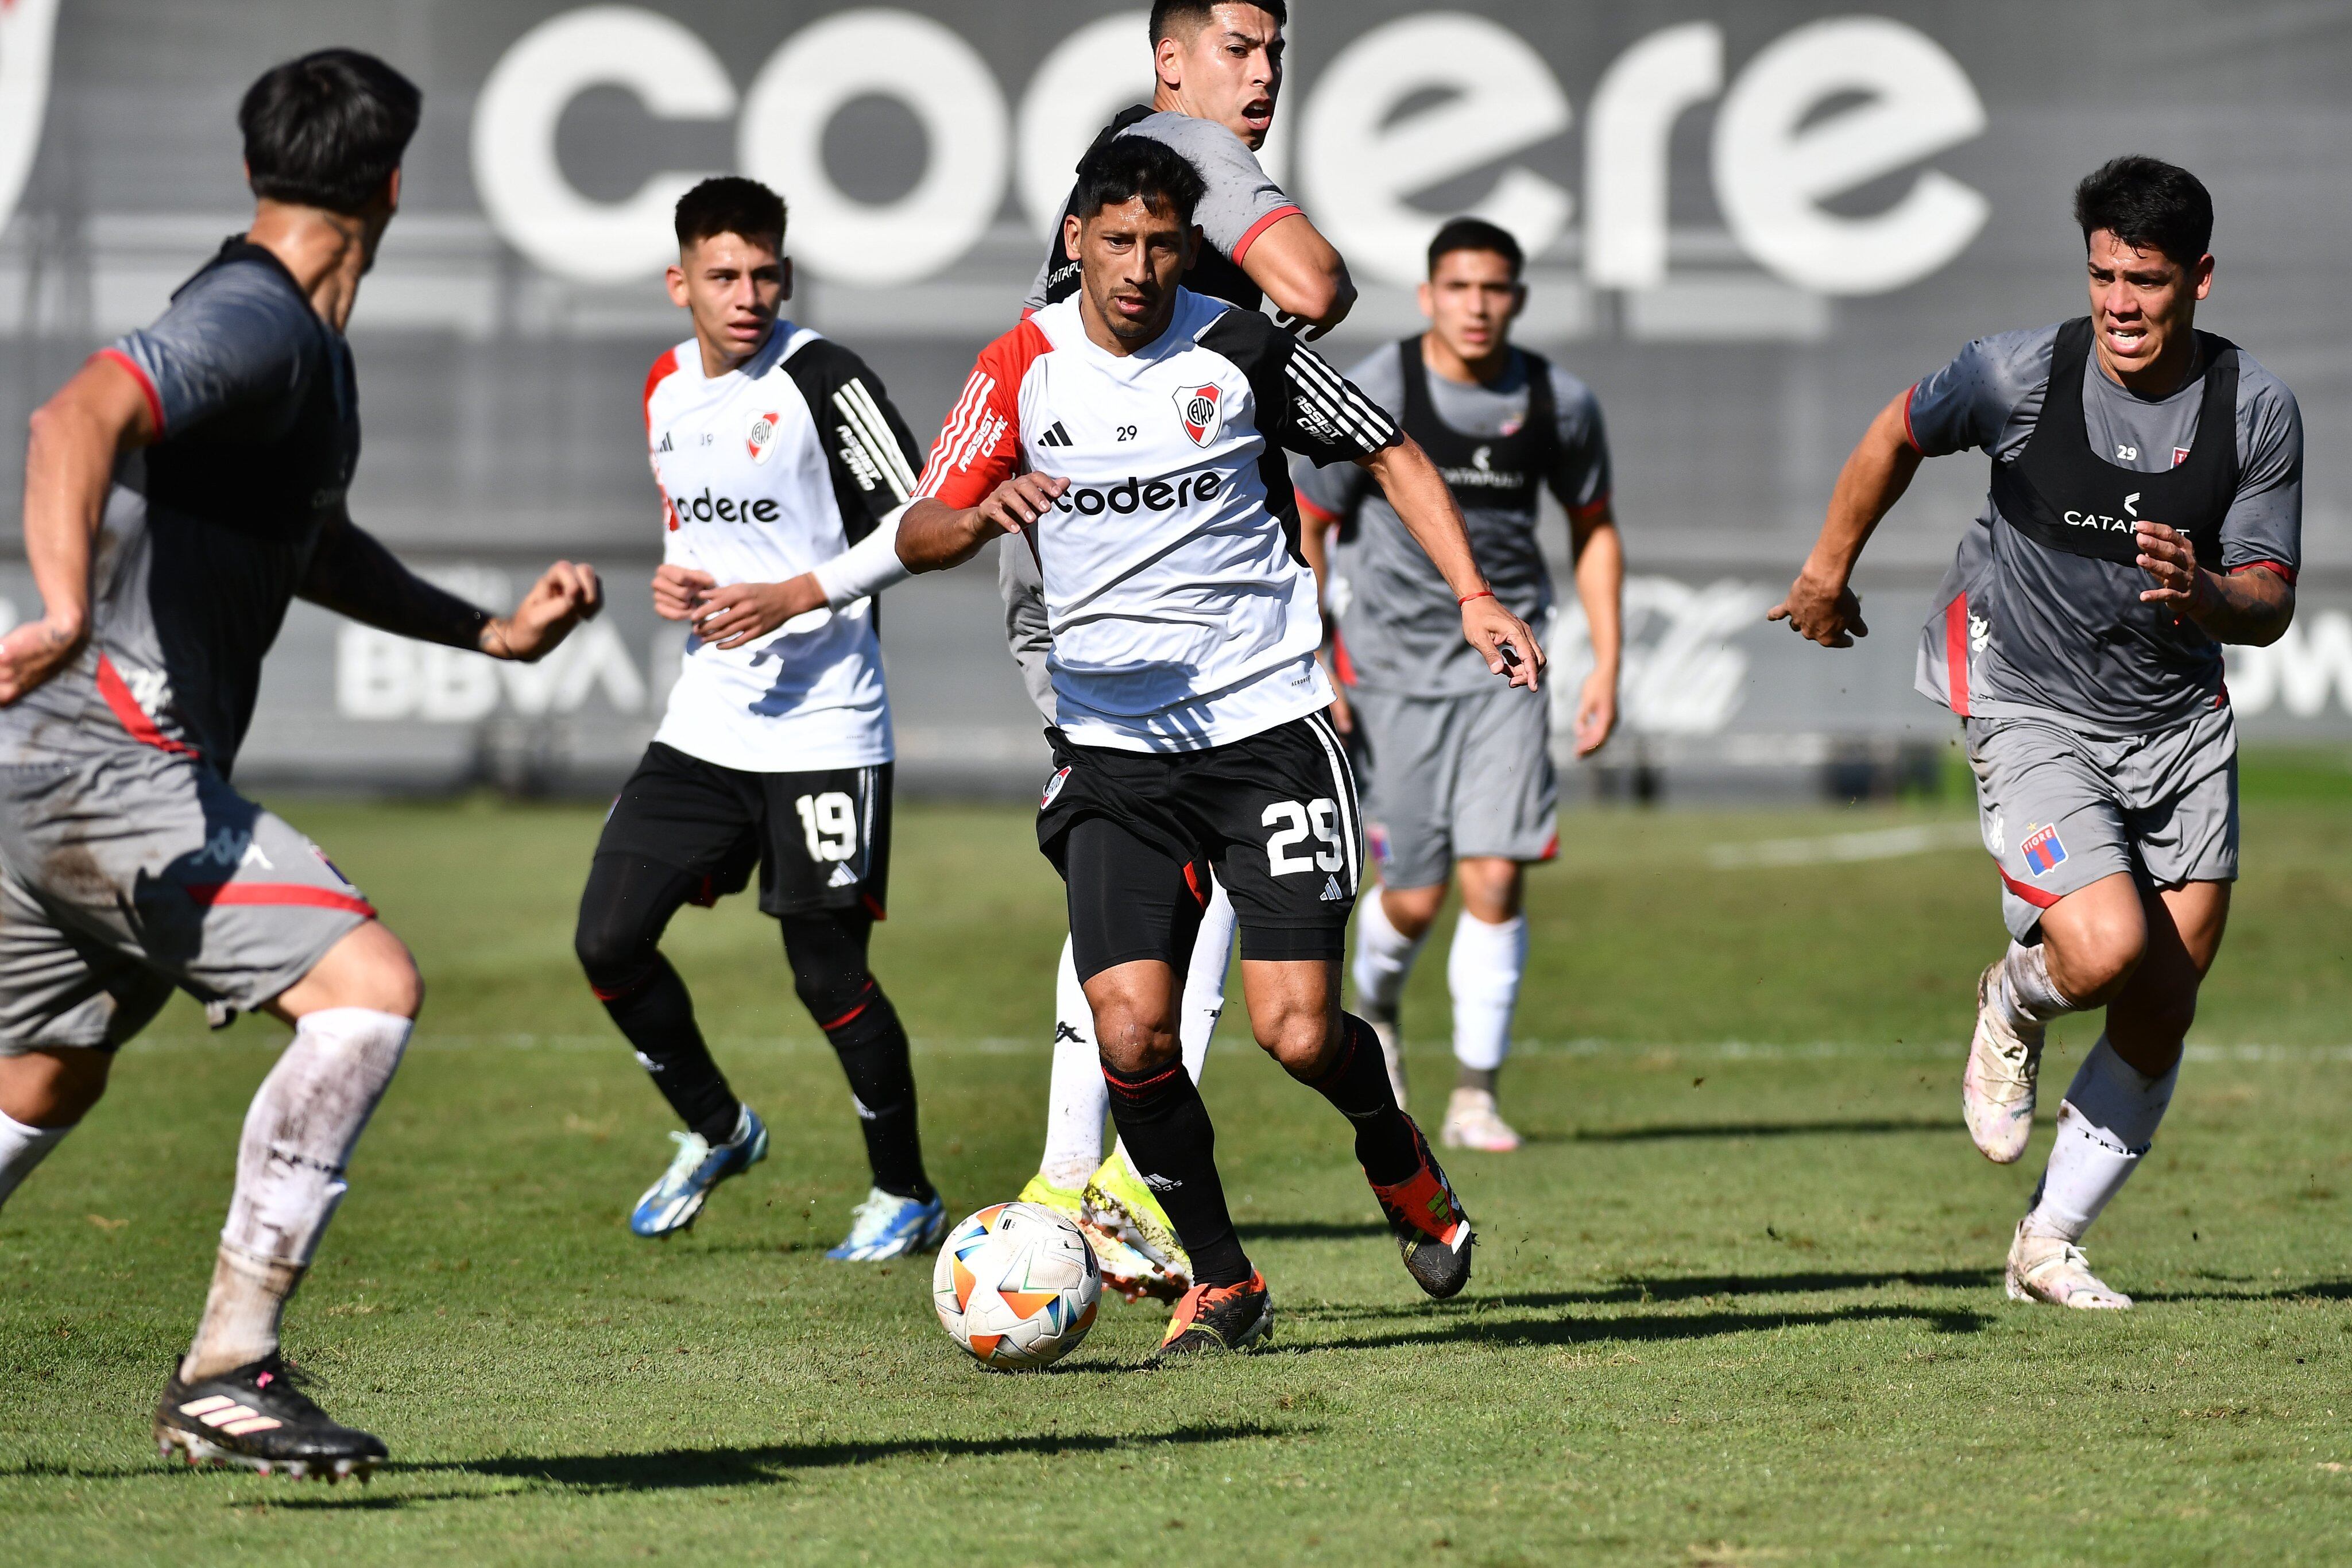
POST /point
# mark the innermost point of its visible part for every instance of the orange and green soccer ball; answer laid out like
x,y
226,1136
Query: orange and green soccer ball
x,y
1016,1285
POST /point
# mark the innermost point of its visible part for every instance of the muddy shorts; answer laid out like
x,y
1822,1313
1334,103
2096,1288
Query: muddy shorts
x,y
2061,809
124,876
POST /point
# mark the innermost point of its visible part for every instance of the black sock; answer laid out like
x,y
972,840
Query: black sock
x,y
1159,1114
1357,1081
657,1017
872,1045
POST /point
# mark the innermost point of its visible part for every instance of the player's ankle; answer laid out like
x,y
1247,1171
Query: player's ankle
x,y
1479,1079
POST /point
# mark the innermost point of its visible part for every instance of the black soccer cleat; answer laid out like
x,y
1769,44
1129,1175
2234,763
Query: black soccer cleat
x,y
258,1417
1219,1317
1431,1228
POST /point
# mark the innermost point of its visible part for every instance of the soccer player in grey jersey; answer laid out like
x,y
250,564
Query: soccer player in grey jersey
x,y
184,486
2145,509
1460,774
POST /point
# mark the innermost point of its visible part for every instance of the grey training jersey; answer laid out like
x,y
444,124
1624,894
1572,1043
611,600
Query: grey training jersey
x,y
2064,637
208,532
1398,620
1239,205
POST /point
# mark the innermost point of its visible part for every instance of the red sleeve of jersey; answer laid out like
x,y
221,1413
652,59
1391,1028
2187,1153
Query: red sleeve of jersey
x,y
980,446
662,369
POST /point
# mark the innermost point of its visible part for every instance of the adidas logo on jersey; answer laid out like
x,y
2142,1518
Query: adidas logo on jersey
x,y
842,877
1055,436
1332,892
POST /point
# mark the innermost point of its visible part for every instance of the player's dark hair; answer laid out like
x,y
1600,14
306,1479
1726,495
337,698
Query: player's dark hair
x,y
1173,18
1477,234
2148,205
1126,167
328,130
731,205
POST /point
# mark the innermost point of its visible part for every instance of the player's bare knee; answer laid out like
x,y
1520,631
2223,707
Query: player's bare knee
x,y
49,1089
1302,1039
1133,1041
1412,910
370,967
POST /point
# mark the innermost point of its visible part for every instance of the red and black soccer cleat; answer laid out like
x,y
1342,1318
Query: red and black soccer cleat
x,y
1432,1229
1219,1317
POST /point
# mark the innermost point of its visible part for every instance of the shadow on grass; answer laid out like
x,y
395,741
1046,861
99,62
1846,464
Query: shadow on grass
x,y
674,1469
1634,1291
1672,1131
1310,1229
2322,1290
1490,1329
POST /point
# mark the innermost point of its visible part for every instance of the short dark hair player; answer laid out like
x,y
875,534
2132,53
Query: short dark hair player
x,y
179,491
1132,436
2145,510
783,469
1460,778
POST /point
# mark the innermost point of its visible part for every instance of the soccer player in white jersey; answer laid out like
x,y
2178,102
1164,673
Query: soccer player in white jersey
x,y
776,451
1218,72
2145,510
1460,774
1134,436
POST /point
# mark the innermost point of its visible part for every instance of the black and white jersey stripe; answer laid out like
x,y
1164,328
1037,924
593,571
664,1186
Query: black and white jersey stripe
x,y
1323,391
871,434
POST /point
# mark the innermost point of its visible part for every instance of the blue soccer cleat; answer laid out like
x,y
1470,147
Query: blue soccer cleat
x,y
671,1204
886,1227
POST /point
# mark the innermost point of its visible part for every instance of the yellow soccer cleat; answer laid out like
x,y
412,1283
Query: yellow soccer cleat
x,y
1118,1202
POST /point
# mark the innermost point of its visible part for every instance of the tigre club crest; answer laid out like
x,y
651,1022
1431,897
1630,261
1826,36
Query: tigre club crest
x,y
1201,409
763,437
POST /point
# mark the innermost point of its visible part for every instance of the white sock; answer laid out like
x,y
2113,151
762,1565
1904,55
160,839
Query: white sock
x,y
2023,991
1204,985
1078,1100
1384,956
23,1147
2104,1127
1482,972
298,1136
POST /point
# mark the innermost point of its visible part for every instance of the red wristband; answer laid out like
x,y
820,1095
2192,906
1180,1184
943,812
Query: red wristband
x,y
1481,594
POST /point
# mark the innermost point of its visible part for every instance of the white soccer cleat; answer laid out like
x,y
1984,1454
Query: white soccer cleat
x,y
2051,1269
1473,1123
1385,1031
1997,1086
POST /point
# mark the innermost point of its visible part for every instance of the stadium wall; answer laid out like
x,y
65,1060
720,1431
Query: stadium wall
x,y
1750,224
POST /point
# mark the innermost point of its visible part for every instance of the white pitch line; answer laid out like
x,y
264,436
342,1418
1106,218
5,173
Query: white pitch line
x,y
1878,844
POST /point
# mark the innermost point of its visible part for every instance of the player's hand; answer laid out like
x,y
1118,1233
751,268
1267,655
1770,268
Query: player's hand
x,y
678,591
1821,611
1020,501
32,652
1510,648
742,612
1596,712
2168,556
1343,714
562,599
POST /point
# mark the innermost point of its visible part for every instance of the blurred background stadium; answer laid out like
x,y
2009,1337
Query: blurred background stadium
x,y
1751,223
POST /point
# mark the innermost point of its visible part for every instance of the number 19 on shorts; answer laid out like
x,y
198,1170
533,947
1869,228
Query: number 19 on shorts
x,y
1294,822
829,822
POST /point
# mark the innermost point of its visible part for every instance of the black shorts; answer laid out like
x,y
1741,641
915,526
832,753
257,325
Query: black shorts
x,y
1136,835
820,841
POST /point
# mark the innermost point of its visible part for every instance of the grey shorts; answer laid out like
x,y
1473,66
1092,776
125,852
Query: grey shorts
x,y
1456,777
124,876
2060,809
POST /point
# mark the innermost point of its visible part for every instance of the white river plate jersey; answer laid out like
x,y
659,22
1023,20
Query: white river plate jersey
x,y
1180,613
765,471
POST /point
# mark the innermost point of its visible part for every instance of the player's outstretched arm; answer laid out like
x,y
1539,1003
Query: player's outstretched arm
x,y
2250,605
934,536
352,574
1418,492
1820,606
1304,277
75,437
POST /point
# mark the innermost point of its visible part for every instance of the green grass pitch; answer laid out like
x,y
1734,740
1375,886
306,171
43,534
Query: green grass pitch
x,y
1736,1302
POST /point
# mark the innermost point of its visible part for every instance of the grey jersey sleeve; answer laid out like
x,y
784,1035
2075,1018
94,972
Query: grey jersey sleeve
x,y
1988,397
2265,522
231,344
1579,477
1241,202
1027,635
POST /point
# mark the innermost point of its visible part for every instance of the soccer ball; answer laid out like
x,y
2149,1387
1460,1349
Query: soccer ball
x,y
1016,1285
